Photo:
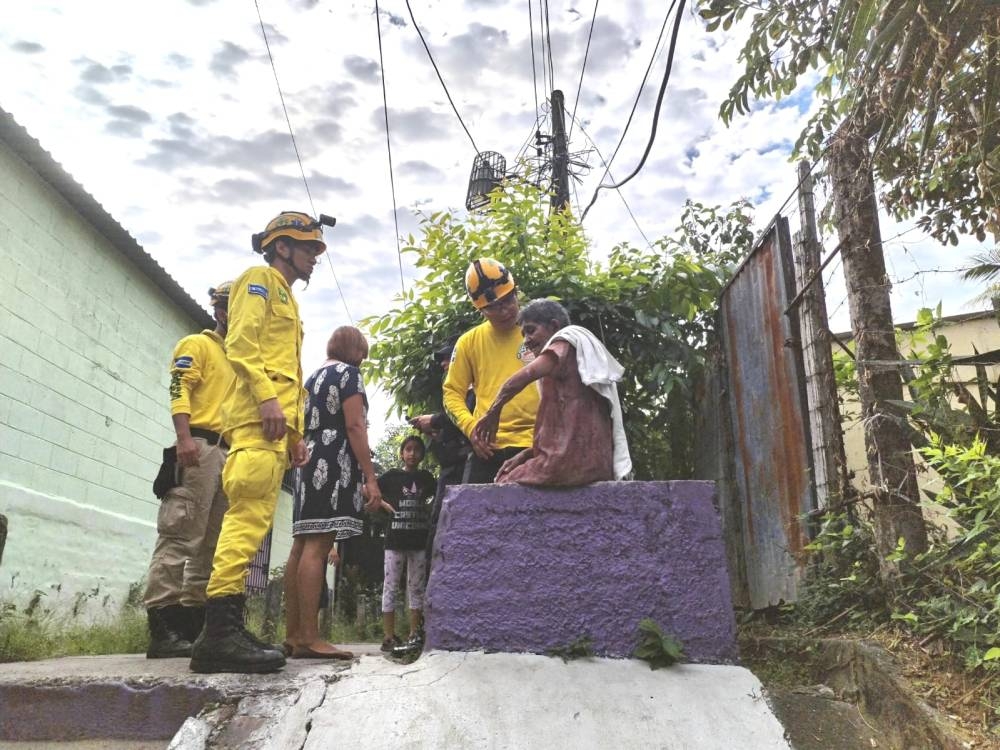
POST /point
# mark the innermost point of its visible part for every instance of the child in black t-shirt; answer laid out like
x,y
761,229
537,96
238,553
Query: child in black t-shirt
x,y
410,491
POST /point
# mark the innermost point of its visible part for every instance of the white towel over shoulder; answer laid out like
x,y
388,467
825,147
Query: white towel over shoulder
x,y
601,371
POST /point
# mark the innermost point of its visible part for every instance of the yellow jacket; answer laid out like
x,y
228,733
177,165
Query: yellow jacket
x,y
264,346
200,376
484,358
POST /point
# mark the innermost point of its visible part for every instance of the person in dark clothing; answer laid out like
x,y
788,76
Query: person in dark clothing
x,y
448,445
409,490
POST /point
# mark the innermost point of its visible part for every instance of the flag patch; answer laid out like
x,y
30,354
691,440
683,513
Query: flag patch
x,y
257,289
183,363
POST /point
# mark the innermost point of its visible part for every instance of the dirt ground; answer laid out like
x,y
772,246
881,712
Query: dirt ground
x,y
971,702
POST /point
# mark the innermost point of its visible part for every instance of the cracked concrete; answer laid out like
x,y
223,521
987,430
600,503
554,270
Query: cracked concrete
x,y
133,698
459,700
443,700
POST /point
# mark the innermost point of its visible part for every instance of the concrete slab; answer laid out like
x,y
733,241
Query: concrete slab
x,y
473,699
523,569
130,697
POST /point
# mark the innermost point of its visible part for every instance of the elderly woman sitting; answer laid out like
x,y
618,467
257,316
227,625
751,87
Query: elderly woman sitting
x,y
579,436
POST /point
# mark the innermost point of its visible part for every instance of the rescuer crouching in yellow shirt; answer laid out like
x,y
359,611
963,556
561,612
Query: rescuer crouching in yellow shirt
x,y
263,424
483,359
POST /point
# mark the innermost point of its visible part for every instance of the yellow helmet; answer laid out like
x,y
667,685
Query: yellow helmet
x,y
294,224
487,280
219,295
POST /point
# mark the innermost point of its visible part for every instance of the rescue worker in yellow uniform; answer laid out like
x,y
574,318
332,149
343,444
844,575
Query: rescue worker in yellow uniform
x,y
483,359
263,424
193,504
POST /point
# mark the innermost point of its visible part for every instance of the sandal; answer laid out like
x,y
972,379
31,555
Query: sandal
x,y
390,643
304,652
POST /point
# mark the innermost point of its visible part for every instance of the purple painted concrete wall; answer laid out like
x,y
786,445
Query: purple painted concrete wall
x,y
520,569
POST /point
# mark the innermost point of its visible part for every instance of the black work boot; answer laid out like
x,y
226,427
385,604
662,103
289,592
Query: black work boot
x,y
224,646
167,639
194,622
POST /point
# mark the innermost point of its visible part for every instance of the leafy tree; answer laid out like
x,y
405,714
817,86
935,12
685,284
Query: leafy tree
x,y
386,453
652,307
919,77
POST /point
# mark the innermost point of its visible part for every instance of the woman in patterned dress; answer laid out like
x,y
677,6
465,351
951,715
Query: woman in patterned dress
x,y
331,489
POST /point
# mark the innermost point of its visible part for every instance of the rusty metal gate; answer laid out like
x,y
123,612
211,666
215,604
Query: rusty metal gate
x,y
767,405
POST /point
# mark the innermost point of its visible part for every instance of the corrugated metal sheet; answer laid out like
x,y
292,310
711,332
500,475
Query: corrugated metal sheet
x,y
767,406
713,440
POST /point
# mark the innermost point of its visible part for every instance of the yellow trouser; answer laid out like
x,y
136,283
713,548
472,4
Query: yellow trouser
x,y
252,481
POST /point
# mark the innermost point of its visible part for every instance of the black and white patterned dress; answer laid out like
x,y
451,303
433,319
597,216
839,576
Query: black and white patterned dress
x,y
328,494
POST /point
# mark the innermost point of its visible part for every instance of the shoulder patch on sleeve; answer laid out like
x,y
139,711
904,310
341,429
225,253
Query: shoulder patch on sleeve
x,y
183,363
258,289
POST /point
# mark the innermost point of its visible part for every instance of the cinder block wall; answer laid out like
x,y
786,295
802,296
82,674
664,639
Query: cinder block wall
x,y
85,343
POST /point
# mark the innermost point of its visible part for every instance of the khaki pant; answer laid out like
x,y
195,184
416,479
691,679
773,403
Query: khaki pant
x,y
188,527
252,480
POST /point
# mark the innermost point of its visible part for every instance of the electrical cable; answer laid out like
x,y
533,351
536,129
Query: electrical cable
x,y
388,147
541,43
445,87
656,111
534,76
586,54
618,190
302,170
638,96
548,39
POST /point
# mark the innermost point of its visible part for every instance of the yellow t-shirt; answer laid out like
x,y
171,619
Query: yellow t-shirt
x,y
264,346
484,358
200,376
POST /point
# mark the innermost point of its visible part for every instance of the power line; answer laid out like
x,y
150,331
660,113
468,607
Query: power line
x,y
618,190
445,87
635,104
388,147
586,54
534,77
656,111
541,44
548,39
295,146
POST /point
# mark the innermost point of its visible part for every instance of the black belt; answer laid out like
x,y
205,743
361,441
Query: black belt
x,y
212,438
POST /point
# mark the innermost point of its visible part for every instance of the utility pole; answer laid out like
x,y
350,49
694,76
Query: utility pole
x,y
827,437
560,153
890,459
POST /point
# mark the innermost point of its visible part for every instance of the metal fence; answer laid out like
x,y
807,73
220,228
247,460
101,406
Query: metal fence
x,y
770,487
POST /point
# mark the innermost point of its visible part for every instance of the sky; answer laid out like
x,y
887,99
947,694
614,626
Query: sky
x,y
169,114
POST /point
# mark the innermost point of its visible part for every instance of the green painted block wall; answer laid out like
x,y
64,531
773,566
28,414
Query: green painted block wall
x,y
85,343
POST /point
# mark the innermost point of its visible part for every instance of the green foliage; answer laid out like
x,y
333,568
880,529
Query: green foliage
x,y
35,632
579,648
385,454
652,307
955,586
950,593
656,647
845,373
939,403
844,575
922,79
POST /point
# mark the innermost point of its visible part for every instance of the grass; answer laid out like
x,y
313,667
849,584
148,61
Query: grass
x,y
37,633
29,637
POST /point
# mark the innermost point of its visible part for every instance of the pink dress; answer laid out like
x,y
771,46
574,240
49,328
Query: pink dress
x,y
573,443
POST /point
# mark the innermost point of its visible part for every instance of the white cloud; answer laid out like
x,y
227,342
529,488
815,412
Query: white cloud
x,y
170,117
